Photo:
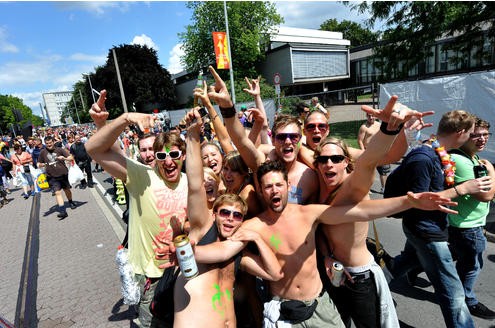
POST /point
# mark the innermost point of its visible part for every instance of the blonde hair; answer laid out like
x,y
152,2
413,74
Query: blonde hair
x,y
339,143
212,174
230,199
455,121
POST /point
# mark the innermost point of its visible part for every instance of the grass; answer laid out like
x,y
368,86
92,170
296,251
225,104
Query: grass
x,y
365,96
347,131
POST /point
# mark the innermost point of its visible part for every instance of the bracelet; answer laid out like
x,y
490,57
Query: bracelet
x,y
228,112
383,128
214,117
457,192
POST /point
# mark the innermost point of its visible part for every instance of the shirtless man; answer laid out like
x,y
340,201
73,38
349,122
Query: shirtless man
x,y
366,132
290,230
207,300
345,182
286,137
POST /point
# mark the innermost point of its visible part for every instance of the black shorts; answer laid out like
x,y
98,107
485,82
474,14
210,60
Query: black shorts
x,y
58,183
384,169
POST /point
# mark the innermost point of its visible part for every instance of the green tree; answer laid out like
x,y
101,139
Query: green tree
x,y
250,24
357,34
412,26
7,118
144,80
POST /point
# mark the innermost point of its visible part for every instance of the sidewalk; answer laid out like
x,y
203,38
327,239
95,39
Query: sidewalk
x,y
78,282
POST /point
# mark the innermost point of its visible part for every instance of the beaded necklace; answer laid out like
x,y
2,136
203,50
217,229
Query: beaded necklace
x,y
447,163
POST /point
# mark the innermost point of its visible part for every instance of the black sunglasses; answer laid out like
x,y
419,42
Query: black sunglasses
x,y
336,159
294,137
312,126
162,155
224,213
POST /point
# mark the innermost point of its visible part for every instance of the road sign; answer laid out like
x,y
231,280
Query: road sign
x,y
276,79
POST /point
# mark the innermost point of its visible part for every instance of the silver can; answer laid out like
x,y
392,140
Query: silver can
x,y
338,271
185,256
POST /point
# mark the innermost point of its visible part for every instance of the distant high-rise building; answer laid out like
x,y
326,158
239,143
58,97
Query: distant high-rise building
x,y
55,102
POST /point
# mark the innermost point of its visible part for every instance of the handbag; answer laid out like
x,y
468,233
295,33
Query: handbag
x,y
376,249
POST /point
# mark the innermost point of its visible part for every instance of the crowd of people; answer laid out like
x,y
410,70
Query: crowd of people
x,y
282,205
270,211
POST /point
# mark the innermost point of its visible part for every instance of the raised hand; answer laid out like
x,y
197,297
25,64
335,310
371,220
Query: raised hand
x,y
395,114
193,121
218,91
202,94
98,111
144,121
253,86
430,201
257,114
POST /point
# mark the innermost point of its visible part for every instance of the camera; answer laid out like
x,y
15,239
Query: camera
x,y
480,171
203,112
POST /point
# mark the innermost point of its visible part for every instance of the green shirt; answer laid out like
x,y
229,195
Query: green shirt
x,y
472,212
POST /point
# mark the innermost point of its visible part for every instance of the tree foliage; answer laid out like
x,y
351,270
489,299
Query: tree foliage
x,y
145,83
412,26
7,118
250,24
357,34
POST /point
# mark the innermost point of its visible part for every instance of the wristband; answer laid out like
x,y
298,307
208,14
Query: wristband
x,y
228,112
383,128
457,192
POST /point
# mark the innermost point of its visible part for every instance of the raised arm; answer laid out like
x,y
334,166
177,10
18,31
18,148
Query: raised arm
x,y
361,179
218,92
254,90
197,208
220,130
100,146
368,210
99,114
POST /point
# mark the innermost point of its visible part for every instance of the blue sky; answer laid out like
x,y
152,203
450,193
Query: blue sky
x,y
47,46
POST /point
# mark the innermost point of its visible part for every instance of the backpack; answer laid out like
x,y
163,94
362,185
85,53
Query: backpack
x,y
395,185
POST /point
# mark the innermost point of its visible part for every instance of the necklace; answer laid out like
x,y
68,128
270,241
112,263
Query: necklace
x,y
447,163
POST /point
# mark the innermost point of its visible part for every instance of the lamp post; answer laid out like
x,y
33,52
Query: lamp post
x,y
77,113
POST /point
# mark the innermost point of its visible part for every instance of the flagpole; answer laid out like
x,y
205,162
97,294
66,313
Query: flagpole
x,y
232,89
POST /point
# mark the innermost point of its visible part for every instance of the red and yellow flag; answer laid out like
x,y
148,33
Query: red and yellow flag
x,y
221,50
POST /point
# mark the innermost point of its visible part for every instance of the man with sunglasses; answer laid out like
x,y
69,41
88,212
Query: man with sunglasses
x,y
466,238
207,300
157,202
298,298
286,140
365,296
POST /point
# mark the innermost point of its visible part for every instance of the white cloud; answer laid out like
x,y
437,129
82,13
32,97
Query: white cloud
x,y
303,14
6,46
145,40
174,65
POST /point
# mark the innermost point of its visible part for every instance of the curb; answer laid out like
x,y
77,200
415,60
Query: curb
x,y
113,211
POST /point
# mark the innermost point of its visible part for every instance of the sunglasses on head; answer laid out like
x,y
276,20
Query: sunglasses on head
x,y
294,137
162,155
312,126
225,213
336,159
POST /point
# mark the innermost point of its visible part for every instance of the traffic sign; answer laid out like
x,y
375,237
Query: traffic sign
x,y
276,78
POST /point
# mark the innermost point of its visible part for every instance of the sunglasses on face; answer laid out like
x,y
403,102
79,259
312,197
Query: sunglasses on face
x,y
313,126
162,155
225,213
336,159
294,137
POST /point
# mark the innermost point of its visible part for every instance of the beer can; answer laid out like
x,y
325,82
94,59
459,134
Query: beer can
x,y
338,271
185,256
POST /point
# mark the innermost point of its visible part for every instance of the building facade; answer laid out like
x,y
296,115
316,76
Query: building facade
x,y
54,104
